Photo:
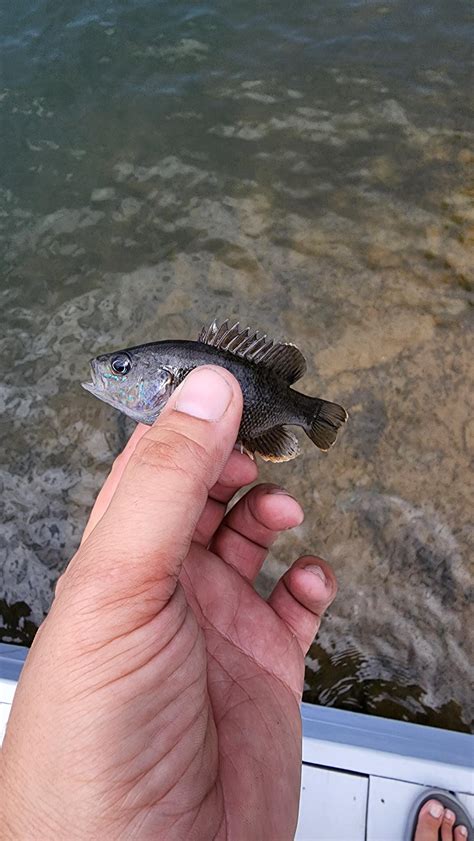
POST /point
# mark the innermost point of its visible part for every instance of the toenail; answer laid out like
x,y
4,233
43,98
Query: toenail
x,y
448,815
436,810
462,831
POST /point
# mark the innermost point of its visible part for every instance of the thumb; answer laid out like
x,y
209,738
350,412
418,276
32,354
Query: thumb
x,y
141,541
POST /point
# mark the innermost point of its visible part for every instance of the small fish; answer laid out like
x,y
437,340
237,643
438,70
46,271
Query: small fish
x,y
138,381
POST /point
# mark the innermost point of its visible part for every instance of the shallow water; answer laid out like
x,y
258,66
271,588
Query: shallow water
x,y
307,171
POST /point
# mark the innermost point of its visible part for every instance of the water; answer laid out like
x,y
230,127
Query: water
x,y
307,170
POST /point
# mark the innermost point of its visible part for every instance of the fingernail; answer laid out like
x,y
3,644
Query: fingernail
x,y
462,831
293,509
204,394
316,571
448,815
436,810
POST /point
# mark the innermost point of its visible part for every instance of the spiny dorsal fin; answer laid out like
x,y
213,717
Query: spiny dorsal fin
x,y
278,444
285,360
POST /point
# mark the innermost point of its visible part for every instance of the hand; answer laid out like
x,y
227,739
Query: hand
x,y
160,698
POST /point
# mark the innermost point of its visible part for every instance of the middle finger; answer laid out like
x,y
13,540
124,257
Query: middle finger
x,y
239,471
252,525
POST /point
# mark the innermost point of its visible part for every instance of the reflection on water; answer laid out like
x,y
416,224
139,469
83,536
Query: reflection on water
x,y
375,687
306,170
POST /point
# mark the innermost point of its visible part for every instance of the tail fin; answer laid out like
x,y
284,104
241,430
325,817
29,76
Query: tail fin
x,y
326,420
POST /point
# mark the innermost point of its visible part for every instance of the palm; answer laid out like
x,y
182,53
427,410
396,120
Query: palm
x,y
186,725
237,690
165,691
255,670
231,716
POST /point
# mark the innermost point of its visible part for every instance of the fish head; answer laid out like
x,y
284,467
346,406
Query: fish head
x,y
133,381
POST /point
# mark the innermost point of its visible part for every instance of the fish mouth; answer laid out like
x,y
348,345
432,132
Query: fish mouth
x,y
93,387
98,389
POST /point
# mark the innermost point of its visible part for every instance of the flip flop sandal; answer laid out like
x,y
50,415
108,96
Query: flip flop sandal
x,y
449,801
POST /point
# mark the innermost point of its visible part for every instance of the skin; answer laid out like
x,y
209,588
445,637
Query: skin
x,y
435,822
160,698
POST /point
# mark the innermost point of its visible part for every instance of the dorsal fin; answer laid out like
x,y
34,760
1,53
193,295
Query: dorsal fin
x,y
285,360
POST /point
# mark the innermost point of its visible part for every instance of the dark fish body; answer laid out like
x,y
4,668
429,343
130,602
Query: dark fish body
x,y
139,381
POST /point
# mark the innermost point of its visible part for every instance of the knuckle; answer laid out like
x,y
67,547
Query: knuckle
x,y
59,585
118,461
176,453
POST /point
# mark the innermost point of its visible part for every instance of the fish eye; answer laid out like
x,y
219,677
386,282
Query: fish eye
x,y
121,364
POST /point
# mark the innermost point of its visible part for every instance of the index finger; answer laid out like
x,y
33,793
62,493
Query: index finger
x,y
109,487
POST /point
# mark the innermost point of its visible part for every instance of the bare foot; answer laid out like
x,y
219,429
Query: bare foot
x,y
435,822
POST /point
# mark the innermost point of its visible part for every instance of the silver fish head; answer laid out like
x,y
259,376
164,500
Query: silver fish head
x,y
133,381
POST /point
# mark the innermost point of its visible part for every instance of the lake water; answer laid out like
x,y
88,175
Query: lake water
x,y
306,168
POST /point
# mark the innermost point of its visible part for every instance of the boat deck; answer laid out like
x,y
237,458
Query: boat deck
x,y
360,773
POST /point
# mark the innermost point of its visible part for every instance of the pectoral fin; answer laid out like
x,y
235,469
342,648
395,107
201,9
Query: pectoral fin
x,y
278,444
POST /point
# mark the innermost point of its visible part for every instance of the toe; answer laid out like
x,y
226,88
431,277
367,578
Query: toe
x,y
460,833
429,821
447,825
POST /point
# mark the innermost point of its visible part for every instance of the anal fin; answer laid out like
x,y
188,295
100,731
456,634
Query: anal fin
x,y
277,444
